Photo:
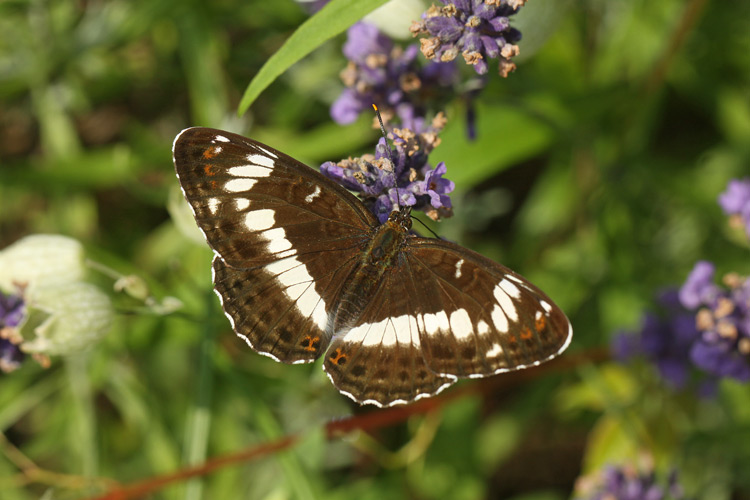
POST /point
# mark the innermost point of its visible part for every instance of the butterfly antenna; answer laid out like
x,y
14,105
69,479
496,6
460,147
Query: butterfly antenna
x,y
387,146
382,131
426,227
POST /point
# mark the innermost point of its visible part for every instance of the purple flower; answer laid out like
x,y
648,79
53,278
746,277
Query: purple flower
x,y
436,187
381,73
627,483
704,325
736,197
699,287
723,320
12,312
476,29
735,201
406,181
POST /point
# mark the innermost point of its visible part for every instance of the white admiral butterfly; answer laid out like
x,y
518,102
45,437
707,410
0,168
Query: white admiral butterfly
x,y
304,270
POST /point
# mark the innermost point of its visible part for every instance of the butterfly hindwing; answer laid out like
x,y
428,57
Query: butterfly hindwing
x,y
481,318
380,358
280,315
440,313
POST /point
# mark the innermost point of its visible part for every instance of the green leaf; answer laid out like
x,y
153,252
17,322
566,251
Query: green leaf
x,y
608,443
333,19
506,135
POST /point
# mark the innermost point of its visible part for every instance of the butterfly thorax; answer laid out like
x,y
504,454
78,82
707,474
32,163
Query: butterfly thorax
x,y
380,255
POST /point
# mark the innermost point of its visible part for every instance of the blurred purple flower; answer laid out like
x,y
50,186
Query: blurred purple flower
x,y
703,325
476,29
664,339
627,483
381,73
408,181
12,313
12,310
699,287
723,320
735,201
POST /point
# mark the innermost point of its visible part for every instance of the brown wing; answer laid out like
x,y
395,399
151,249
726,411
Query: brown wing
x,y
252,202
443,312
481,318
284,237
380,359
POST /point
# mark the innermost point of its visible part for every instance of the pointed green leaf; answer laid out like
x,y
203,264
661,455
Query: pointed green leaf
x,y
334,18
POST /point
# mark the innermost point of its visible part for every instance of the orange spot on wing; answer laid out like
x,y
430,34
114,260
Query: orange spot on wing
x,y
338,358
210,153
310,343
209,170
526,333
540,323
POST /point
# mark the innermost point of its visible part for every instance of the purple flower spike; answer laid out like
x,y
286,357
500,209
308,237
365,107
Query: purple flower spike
x,y
478,30
723,320
389,76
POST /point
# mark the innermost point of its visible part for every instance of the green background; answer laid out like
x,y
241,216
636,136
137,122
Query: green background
x,y
595,174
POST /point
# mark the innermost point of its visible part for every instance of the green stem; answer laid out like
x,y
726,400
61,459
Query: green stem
x,y
84,435
199,419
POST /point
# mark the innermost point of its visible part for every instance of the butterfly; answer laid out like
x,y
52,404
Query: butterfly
x,y
303,269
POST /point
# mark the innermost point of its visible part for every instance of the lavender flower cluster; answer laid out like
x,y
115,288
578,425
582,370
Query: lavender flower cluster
x,y
383,73
665,339
704,325
380,72
406,181
627,483
478,30
722,347
406,92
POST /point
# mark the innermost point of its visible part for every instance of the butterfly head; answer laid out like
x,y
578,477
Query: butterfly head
x,y
401,218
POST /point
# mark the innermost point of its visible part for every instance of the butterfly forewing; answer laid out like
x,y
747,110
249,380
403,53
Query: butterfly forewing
x,y
281,233
304,270
256,204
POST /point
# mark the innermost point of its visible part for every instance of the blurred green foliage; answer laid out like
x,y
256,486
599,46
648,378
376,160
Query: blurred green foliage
x,y
595,175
